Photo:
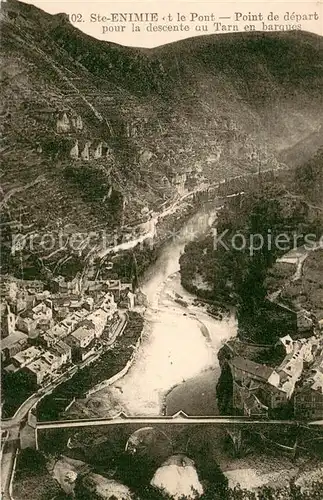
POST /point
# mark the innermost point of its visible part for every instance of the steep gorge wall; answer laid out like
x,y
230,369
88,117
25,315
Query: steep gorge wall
x,y
113,131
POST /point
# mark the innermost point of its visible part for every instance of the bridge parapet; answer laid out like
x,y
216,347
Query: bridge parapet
x,y
178,418
123,426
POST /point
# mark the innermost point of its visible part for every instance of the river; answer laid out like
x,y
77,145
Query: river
x,y
176,367
179,345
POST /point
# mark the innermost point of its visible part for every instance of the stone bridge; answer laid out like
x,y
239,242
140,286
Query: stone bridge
x,y
232,425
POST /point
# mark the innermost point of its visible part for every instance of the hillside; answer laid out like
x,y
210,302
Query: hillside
x,y
96,134
289,209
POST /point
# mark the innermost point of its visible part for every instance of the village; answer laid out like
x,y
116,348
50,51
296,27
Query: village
x,y
49,332
290,383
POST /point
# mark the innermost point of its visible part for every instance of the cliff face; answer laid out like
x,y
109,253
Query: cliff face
x,y
94,134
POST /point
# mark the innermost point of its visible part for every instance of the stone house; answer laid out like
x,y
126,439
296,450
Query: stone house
x,y
243,370
13,344
28,324
255,386
23,358
43,368
82,336
39,371
61,286
54,335
308,400
62,350
8,320
249,403
308,396
287,343
53,360
88,303
72,320
39,318
99,318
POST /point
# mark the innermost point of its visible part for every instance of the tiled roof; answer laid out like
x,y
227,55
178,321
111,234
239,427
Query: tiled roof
x,y
61,347
82,332
255,369
12,339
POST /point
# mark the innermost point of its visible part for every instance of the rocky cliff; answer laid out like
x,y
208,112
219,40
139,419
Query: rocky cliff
x,y
95,134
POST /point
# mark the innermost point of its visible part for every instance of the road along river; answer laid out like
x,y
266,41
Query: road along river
x,y
176,367
179,345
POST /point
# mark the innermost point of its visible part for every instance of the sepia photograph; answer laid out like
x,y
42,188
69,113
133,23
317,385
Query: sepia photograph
x,y
161,250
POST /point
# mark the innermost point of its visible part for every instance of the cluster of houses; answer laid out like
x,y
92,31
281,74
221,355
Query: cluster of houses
x,y
295,384
45,331
41,365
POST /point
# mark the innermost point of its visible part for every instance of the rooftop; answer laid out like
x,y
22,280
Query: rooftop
x,y
256,369
98,318
27,355
75,317
83,331
39,366
12,339
57,332
317,383
27,314
49,357
11,368
314,380
40,308
61,348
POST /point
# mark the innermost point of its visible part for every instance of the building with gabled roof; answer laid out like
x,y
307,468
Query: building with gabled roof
x,y
63,350
308,395
287,342
39,371
249,403
25,357
8,320
13,344
243,368
55,334
82,336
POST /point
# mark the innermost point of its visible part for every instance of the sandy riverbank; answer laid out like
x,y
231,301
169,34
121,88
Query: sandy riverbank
x,y
177,345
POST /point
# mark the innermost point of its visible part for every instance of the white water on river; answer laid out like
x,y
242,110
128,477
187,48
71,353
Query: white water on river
x,y
179,343
179,348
